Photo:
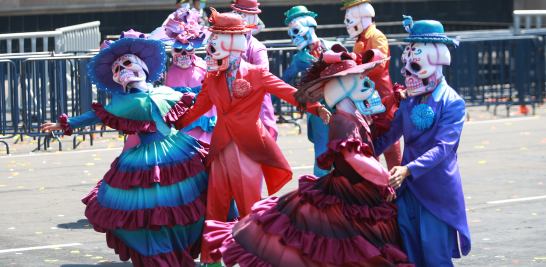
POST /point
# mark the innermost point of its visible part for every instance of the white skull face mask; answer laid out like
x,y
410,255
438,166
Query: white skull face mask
x,y
183,58
358,18
220,46
129,68
249,19
359,88
423,66
300,31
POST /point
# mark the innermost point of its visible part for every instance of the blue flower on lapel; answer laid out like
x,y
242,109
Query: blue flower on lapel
x,y
422,117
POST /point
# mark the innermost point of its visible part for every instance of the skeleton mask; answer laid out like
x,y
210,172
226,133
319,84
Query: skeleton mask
x,y
301,32
129,68
422,66
249,19
183,58
220,46
358,18
359,88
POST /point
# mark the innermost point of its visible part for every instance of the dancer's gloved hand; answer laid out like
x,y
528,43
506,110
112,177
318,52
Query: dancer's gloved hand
x,y
398,174
49,127
324,114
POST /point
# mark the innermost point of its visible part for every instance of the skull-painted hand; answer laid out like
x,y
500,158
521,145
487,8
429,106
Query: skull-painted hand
x,y
183,58
359,88
220,46
299,31
422,66
129,68
353,18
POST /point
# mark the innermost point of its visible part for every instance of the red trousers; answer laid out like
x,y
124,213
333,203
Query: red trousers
x,y
232,175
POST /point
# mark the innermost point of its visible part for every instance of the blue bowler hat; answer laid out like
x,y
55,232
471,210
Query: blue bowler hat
x,y
426,31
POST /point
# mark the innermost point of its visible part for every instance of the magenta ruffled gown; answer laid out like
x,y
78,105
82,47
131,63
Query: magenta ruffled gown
x,y
341,219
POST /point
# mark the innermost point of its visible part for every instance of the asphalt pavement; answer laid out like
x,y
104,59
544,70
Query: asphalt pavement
x,y
502,161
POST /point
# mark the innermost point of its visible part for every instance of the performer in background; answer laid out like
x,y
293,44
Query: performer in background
x,y
301,29
342,218
431,207
358,18
241,148
152,202
200,5
256,54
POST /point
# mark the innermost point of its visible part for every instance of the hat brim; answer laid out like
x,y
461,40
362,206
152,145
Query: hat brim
x,y
214,30
161,35
428,40
152,52
354,4
246,9
314,91
299,14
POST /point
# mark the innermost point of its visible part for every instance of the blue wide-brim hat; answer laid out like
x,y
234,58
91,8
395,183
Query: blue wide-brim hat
x,y
297,11
152,52
426,31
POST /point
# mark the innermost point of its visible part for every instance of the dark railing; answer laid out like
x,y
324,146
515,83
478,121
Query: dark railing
x,y
490,70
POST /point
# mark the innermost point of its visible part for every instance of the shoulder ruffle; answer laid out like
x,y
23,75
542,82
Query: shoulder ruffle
x,y
326,159
179,108
63,119
127,126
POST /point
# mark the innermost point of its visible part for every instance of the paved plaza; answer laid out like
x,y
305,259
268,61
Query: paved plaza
x,y
502,161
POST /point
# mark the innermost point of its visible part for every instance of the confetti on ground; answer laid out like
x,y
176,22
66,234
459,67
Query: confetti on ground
x,y
30,169
485,248
475,220
94,179
88,255
96,258
90,164
290,151
523,148
539,182
514,196
497,209
543,140
511,182
311,149
41,188
537,258
508,123
524,133
481,162
479,147
516,261
61,215
14,174
2,185
56,163
11,228
56,248
533,214
88,174
75,251
20,187
51,260
53,228
493,127
38,233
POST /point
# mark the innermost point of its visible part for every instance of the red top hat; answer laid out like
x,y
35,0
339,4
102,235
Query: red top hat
x,y
246,6
226,23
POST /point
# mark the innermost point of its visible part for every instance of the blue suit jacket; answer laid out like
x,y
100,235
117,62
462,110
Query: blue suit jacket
x,y
431,156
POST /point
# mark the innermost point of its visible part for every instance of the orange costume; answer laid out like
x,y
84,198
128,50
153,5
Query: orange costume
x,y
372,38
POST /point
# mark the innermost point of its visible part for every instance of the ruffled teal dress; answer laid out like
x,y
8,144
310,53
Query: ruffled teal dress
x,y
152,202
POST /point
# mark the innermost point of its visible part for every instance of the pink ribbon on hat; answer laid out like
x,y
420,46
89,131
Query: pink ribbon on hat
x,y
182,30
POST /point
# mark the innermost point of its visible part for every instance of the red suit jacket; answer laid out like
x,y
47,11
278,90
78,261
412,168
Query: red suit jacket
x,y
239,120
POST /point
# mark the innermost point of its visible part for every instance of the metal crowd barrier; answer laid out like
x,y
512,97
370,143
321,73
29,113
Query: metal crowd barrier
x,y
52,86
492,71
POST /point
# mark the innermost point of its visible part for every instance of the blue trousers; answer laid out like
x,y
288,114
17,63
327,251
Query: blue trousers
x,y
427,240
317,133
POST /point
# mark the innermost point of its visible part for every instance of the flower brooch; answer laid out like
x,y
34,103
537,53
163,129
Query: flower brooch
x,y
241,88
422,117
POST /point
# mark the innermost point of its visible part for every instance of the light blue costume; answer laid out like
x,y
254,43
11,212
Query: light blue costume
x,y
431,207
317,131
